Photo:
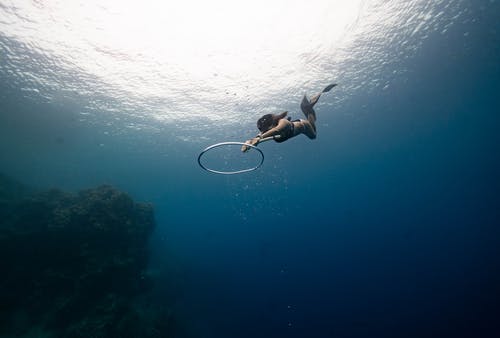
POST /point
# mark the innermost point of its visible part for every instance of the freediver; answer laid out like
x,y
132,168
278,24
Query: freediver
x,y
280,128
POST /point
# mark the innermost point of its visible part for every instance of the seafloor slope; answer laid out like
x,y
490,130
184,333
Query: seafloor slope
x,y
73,265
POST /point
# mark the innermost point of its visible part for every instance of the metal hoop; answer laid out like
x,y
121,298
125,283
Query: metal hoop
x,y
230,172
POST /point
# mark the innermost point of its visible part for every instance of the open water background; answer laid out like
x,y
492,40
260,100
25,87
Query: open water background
x,y
386,225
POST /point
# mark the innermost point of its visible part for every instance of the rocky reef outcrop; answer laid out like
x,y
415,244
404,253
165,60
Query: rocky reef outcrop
x,y
73,265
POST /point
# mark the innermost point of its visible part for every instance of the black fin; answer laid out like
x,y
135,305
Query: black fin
x,y
327,89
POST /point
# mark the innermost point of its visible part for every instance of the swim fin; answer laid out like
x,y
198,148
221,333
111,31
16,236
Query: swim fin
x,y
307,106
327,88
315,98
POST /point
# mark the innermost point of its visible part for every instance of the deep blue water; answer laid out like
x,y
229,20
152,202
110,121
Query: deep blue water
x,y
386,225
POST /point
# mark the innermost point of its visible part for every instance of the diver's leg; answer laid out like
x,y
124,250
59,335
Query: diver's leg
x,y
311,123
307,109
307,106
307,128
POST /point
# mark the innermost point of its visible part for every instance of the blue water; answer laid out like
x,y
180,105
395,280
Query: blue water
x,y
386,225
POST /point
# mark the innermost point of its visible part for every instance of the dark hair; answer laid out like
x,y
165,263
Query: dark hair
x,y
269,121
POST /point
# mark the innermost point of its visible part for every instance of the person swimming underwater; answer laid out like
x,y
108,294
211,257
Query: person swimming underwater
x,y
280,128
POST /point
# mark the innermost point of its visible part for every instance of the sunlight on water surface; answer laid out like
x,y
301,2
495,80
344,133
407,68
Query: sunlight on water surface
x,y
196,63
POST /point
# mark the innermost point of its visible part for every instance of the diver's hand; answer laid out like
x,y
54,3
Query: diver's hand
x,y
244,148
253,142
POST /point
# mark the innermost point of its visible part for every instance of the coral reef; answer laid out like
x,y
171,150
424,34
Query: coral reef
x,y
73,265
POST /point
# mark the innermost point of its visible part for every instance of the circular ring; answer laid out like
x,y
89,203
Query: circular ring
x,y
230,172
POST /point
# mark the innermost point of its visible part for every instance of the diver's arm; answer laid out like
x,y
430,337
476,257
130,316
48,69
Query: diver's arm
x,y
254,141
273,132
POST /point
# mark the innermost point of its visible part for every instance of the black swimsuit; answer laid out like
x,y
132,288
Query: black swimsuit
x,y
287,132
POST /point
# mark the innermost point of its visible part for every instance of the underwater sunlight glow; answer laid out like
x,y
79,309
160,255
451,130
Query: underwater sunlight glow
x,y
147,48
182,62
198,40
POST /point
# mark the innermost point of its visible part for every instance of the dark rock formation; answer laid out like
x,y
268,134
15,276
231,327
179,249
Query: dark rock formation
x,y
73,265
